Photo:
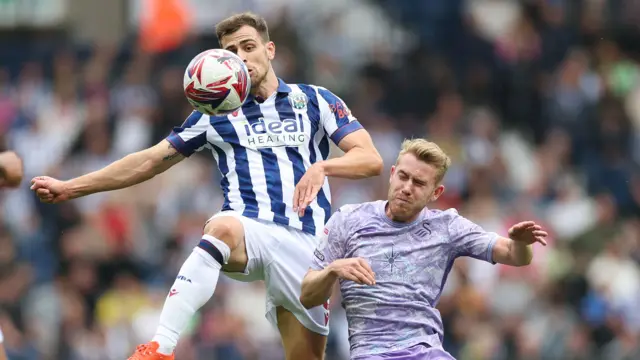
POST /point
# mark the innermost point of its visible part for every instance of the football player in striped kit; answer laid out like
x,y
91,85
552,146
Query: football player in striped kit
x,y
273,154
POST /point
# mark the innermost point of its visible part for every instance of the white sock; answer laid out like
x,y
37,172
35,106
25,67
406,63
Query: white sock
x,y
193,287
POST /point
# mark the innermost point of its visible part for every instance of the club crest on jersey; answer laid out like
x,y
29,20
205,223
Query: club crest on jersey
x,y
275,133
425,230
298,101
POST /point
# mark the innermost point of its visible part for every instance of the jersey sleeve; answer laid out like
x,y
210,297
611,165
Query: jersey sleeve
x,y
335,116
191,136
332,244
469,239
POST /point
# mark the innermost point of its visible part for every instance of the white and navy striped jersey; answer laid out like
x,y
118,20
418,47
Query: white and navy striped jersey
x,y
264,149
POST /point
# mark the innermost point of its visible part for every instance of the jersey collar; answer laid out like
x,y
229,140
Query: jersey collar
x,y
283,88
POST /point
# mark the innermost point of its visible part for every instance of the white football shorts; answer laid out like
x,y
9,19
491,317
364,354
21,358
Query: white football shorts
x,y
280,255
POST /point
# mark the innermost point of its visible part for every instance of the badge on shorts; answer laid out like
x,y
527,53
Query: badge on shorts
x,y
324,241
298,101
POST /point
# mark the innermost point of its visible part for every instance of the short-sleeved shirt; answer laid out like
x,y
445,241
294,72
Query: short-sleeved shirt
x,y
263,150
411,262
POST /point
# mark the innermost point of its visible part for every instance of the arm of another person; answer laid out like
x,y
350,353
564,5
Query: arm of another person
x,y
469,239
132,169
330,265
360,160
517,249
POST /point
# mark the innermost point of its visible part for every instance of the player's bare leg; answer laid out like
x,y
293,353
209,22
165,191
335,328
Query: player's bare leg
x,y
298,341
221,246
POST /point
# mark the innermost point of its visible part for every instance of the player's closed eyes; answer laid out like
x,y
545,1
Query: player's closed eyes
x,y
403,176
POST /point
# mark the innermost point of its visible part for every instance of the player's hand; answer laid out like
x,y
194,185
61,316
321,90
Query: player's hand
x,y
11,169
354,269
528,232
50,190
307,188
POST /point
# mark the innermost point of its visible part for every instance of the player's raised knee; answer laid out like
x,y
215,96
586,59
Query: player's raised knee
x,y
227,229
221,237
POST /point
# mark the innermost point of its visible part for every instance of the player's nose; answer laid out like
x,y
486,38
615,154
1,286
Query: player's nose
x,y
243,56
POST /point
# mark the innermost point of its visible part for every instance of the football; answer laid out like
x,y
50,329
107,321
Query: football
x,y
216,82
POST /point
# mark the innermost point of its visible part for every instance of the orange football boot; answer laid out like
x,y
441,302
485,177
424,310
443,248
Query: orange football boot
x,y
149,351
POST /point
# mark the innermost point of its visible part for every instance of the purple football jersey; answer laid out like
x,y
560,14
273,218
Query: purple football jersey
x,y
416,352
411,262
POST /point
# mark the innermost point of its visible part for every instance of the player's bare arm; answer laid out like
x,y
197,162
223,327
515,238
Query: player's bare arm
x,y
360,160
517,249
318,284
128,171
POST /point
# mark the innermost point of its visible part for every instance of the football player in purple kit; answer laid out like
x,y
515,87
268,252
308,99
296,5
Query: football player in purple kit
x,y
392,259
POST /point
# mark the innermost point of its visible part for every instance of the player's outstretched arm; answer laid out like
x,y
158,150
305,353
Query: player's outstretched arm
x,y
128,171
469,239
517,249
317,284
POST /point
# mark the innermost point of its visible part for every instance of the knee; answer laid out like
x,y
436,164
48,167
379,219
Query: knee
x,y
227,229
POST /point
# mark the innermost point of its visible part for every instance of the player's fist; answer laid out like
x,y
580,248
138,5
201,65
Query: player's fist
x,y
528,232
354,269
11,170
50,190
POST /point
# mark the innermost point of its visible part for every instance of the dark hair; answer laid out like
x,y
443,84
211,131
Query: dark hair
x,y
235,22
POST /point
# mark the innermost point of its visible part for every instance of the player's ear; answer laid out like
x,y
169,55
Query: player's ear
x,y
271,50
393,171
437,192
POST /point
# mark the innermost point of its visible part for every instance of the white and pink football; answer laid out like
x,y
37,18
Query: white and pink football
x,y
216,82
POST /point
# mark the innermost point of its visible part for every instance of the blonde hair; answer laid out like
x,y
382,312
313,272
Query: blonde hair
x,y
428,152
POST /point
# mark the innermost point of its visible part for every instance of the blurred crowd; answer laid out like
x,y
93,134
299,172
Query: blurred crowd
x,y
536,102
